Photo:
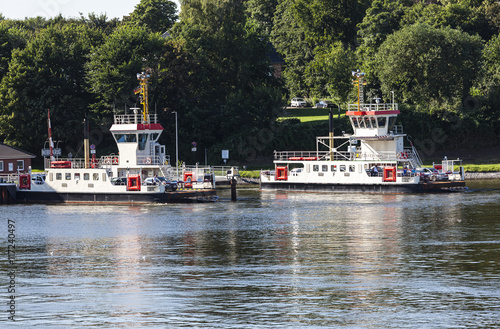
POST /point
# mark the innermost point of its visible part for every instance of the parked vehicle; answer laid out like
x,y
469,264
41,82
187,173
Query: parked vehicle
x,y
38,178
431,174
298,102
118,181
323,104
170,186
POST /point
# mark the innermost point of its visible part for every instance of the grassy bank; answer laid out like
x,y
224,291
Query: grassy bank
x,y
482,167
305,114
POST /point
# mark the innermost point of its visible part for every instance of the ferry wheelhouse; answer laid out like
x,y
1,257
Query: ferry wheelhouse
x,y
140,173
373,158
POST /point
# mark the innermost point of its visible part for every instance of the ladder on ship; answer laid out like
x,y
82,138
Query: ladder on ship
x,y
412,157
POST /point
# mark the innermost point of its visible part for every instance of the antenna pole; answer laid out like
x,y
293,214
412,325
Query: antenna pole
x,y
51,143
359,82
143,81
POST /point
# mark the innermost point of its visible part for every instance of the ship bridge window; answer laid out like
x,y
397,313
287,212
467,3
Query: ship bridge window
x,y
355,122
367,122
154,137
381,122
361,123
126,138
392,122
374,122
143,138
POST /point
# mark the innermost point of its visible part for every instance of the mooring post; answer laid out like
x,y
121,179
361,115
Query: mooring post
x,y
233,189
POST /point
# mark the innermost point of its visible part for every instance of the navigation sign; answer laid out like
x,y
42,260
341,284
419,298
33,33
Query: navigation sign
x,y
55,151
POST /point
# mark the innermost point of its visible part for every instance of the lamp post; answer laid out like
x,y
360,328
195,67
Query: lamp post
x,y
176,146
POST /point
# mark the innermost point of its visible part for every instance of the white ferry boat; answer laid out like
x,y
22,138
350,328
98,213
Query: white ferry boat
x,y
372,159
139,173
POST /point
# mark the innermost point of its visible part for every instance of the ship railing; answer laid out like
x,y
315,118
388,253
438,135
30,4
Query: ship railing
x,y
153,160
201,176
374,107
135,118
75,163
223,170
389,156
9,178
291,155
337,156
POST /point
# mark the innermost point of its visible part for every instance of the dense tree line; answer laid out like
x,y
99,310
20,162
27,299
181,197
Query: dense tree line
x,y
211,66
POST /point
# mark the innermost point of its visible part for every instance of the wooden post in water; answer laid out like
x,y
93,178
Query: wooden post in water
x,y
233,189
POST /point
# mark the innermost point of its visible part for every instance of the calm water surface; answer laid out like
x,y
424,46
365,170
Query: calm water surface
x,y
270,260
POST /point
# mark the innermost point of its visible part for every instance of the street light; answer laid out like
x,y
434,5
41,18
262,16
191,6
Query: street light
x,y
176,146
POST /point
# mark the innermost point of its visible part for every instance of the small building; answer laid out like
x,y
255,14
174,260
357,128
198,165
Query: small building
x,y
276,61
13,160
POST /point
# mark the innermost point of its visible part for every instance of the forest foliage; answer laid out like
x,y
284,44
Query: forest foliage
x,y
210,63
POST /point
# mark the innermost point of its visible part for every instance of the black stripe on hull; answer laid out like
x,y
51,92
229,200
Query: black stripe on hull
x,y
123,198
372,188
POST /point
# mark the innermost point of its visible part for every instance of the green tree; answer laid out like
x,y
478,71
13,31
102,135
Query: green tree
x,y
113,66
230,87
10,39
457,15
422,63
100,22
47,74
489,86
330,70
157,15
262,13
290,41
327,21
381,20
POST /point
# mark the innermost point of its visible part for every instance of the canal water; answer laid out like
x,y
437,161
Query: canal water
x,y
270,260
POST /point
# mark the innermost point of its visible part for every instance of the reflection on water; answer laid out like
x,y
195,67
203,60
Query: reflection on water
x,y
270,260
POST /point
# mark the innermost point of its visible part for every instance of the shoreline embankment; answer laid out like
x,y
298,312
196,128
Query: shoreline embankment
x,y
482,175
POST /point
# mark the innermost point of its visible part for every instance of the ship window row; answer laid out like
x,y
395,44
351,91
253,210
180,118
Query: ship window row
x,y
334,168
77,176
373,122
133,138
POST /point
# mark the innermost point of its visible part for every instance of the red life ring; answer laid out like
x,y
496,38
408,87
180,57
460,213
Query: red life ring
x,y
115,160
147,161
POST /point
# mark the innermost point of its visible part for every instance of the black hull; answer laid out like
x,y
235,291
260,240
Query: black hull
x,y
428,187
118,198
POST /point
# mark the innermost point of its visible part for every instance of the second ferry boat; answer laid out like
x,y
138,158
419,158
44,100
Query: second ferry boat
x,y
372,159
